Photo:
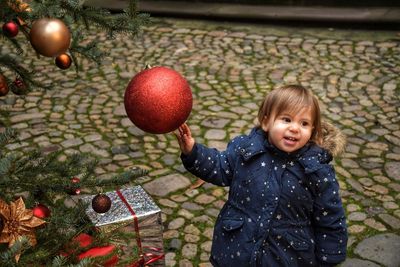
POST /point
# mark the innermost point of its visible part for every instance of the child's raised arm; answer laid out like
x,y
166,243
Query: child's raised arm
x,y
185,139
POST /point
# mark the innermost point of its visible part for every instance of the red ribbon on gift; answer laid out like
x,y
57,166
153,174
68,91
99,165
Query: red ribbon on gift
x,y
151,257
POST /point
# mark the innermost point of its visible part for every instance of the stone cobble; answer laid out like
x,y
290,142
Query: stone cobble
x,y
230,69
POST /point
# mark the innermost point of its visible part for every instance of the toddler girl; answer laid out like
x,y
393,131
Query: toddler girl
x,y
284,207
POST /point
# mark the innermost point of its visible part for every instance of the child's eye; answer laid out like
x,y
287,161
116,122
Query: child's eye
x,y
304,124
286,119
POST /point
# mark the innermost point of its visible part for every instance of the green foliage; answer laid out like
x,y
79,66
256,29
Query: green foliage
x,y
7,257
61,261
7,136
13,63
42,178
79,18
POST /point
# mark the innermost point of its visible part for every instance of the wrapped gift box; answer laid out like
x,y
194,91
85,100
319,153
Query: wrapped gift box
x,y
132,210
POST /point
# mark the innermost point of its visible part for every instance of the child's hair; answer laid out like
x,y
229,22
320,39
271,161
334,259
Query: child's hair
x,y
291,99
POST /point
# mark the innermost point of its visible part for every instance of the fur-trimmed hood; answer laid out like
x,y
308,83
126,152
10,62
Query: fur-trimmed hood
x,y
333,144
333,139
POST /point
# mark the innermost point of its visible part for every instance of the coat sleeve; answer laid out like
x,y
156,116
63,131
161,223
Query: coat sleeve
x,y
210,164
329,219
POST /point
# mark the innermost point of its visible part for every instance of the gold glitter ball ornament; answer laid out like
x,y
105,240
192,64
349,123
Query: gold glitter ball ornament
x,y
50,37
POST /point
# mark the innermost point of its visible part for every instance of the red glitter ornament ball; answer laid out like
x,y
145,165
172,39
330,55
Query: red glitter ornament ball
x,y
158,100
41,211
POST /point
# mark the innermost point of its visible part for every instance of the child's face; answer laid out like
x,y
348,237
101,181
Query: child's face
x,y
290,132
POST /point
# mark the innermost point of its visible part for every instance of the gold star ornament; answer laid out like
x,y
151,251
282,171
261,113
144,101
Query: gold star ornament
x,y
17,222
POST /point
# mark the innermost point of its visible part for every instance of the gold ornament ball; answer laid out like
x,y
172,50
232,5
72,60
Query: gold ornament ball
x,y
3,86
50,37
63,61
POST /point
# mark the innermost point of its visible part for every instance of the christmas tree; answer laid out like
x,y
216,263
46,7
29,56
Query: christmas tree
x,y
41,218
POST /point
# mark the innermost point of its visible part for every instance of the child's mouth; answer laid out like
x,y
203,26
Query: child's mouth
x,y
290,141
290,138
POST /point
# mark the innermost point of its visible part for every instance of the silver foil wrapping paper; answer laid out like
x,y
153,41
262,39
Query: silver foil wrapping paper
x,y
120,217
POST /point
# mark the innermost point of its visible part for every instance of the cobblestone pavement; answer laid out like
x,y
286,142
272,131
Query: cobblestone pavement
x,y
230,68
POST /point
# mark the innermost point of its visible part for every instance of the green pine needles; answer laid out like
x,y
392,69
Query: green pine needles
x,y
80,19
41,178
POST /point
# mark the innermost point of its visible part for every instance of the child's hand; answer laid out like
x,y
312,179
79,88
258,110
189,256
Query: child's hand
x,y
185,139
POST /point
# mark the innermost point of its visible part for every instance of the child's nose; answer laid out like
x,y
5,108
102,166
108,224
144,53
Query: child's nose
x,y
294,127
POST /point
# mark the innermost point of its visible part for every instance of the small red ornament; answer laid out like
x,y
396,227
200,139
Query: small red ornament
x,y
10,29
4,89
75,180
158,100
63,61
19,87
101,203
41,211
74,190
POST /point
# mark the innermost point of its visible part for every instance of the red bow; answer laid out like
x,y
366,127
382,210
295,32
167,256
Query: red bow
x,y
85,240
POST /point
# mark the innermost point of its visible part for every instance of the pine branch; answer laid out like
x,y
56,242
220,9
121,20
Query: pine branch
x,y
123,178
131,11
13,41
14,65
89,51
74,15
59,261
7,136
42,178
87,262
6,165
43,173
71,11
7,257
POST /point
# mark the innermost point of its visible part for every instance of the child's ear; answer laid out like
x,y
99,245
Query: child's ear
x,y
265,124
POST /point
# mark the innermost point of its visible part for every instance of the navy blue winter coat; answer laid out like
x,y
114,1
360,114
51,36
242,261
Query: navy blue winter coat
x,y
282,210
